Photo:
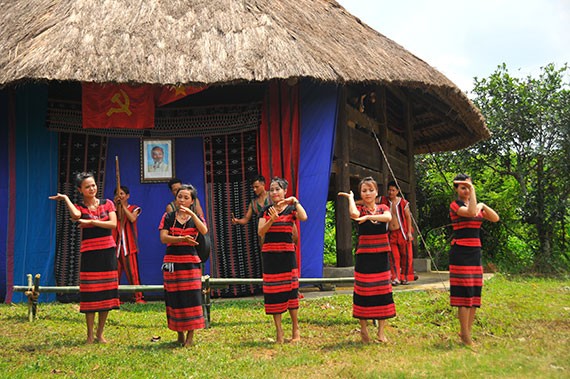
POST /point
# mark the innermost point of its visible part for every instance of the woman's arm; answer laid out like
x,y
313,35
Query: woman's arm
x,y
352,210
384,217
166,238
264,225
471,209
489,213
301,212
73,211
202,228
111,223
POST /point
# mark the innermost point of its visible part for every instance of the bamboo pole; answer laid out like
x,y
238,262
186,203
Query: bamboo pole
x,y
213,282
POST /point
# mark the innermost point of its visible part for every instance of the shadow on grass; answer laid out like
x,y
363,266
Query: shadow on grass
x,y
221,324
257,344
344,345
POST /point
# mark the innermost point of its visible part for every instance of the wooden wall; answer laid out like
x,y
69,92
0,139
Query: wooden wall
x,y
369,116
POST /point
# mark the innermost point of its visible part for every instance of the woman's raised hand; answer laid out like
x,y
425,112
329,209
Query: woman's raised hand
x,y
59,196
348,195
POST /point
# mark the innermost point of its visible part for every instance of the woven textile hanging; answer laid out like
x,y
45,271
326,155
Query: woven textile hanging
x,y
230,162
77,153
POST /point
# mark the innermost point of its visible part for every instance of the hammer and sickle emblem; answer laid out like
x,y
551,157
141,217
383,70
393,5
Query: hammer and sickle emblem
x,y
122,100
180,90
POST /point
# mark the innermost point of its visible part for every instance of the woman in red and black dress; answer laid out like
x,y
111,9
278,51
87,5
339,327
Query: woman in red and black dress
x,y
98,279
280,273
465,267
182,273
372,288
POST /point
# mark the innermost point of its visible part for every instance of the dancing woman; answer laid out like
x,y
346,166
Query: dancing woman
x,y
98,278
280,272
182,273
372,288
465,267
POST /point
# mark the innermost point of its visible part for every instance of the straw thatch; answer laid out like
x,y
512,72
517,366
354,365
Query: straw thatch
x,y
219,42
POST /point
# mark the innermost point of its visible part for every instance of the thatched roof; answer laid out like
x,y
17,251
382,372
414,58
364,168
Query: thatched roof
x,y
219,42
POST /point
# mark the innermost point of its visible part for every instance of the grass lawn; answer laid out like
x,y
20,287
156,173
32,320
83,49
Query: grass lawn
x,y
522,331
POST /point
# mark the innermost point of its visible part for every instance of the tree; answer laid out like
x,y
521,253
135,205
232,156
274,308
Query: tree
x,y
530,123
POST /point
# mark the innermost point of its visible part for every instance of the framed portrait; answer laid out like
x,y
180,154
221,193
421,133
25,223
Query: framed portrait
x,y
157,160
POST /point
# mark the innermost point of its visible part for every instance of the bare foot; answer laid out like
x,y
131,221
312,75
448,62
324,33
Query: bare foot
x,y
466,340
101,339
280,338
364,336
382,338
296,337
89,341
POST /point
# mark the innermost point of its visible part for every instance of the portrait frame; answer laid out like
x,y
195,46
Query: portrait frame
x,y
153,171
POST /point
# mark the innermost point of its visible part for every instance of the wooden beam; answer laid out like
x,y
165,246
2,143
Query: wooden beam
x,y
383,137
342,216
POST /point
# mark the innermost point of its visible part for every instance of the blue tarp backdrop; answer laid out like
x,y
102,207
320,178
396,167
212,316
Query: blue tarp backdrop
x,y
318,120
36,176
4,193
152,197
36,180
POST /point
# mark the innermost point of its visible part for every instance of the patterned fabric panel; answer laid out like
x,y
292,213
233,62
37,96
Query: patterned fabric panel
x,y
230,161
77,153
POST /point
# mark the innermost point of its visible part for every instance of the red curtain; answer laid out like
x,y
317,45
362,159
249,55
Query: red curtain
x,y
279,137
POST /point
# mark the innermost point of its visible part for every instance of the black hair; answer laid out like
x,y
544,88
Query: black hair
x,y
125,189
370,180
460,177
392,183
173,181
258,178
80,177
281,182
189,187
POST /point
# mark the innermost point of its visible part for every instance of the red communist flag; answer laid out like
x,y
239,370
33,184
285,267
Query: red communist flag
x,y
117,106
169,94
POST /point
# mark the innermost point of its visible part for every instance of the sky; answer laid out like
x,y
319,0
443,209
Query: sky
x,y
464,39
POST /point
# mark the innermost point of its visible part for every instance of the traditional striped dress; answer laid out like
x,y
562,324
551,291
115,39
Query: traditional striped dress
x,y
183,282
127,240
465,268
372,288
280,273
98,279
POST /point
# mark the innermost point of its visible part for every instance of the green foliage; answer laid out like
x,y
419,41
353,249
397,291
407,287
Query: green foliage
x,y
522,171
522,330
330,236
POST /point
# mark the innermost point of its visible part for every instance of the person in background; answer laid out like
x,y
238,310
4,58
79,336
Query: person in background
x,y
98,279
372,299
174,185
280,272
400,236
182,273
256,205
126,238
465,266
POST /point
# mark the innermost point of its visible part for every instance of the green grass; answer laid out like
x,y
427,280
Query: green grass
x,y
522,331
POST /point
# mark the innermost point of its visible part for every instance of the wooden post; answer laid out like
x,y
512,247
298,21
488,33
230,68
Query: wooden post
x,y
33,292
206,290
411,165
342,216
383,137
